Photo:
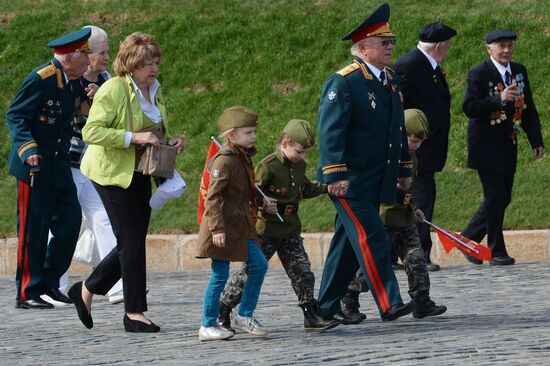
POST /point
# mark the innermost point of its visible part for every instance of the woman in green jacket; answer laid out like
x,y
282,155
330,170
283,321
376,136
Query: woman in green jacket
x,y
110,162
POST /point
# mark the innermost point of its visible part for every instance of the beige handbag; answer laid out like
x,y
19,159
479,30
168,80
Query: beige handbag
x,y
154,162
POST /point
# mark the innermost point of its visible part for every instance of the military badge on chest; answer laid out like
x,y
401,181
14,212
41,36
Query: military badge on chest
x,y
372,99
519,105
520,101
50,112
498,116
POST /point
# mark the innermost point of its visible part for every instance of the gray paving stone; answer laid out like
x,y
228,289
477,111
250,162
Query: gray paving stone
x,y
496,316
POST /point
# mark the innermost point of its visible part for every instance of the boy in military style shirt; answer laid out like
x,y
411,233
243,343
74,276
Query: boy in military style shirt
x,y
400,225
281,175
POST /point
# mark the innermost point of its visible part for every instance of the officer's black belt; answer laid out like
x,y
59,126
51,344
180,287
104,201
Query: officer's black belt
x,y
403,198
287,209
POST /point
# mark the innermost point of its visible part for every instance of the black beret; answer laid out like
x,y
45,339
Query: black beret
x,y
500,34
436,32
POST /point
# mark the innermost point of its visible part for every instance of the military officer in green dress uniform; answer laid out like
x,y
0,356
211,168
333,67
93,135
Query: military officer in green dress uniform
x,y
282,176
400,225
363,153
39,120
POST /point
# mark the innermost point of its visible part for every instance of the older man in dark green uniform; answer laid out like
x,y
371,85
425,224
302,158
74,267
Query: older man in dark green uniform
x,y
39,120
363,153
400,225
282,176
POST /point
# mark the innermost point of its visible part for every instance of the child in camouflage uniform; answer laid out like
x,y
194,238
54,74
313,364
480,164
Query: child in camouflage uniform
x,y
400,225
281,175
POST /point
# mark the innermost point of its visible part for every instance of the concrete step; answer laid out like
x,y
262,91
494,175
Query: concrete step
x,y
167,253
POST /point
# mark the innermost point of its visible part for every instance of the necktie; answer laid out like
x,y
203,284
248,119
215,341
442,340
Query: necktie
x,y
383,79
507,78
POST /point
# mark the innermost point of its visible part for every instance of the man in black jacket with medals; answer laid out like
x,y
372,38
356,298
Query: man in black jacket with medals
x,y
497,102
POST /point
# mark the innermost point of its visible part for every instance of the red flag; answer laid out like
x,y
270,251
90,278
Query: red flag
x,y
450,240
205,180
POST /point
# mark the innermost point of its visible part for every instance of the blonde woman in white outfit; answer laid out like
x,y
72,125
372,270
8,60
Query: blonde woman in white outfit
x,y
96,235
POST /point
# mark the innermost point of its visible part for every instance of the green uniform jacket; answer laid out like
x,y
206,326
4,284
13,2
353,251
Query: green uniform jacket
x,y
40,122
361,133
106,161
287,183
400,215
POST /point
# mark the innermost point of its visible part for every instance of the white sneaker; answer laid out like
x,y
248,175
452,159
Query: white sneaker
x,y
250,325
116,298
214,333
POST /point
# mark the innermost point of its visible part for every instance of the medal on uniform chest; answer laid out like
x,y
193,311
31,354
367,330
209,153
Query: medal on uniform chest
x,y
520,101
372,98
394,88
498,116
284,191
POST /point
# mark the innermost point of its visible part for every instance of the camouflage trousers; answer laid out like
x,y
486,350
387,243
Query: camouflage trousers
x,y
404,241
295,261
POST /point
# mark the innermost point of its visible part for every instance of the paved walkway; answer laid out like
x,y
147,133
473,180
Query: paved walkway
x,y
497,315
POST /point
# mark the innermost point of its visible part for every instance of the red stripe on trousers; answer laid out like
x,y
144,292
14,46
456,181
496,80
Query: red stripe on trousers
x,y
379,289
23,262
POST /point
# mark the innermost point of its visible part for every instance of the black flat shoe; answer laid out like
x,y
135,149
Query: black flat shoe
x,y
37,303
136,326
75,294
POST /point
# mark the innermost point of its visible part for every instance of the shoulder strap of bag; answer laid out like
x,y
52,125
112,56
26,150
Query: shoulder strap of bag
x,y
130,114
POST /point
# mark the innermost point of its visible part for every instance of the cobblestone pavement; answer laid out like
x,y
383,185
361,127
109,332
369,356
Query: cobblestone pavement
x,y
497,315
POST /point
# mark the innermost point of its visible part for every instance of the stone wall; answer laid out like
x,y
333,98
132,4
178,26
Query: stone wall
x,y
166,253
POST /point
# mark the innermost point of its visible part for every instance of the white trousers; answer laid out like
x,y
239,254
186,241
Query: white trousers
x,y
96,231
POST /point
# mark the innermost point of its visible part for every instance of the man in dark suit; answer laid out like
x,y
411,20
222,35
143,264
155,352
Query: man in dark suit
x,y
497,102
363,152
424,87
40,123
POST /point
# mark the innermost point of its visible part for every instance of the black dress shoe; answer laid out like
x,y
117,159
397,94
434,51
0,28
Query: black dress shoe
x,y
398,311
503,260
37,303
472,260
57,296
75,294
136,326
432,267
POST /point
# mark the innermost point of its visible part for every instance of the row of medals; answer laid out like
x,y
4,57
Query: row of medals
x,y
493,90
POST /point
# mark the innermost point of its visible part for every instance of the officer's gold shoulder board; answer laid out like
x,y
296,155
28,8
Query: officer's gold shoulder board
x,y
46,72
348,69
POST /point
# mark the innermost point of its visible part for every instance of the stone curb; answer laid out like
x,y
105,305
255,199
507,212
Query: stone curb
x,y
168,253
